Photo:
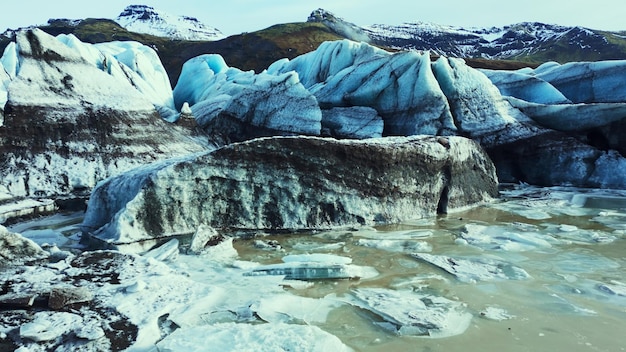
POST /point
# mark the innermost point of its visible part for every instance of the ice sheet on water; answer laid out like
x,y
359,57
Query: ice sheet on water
x,y
395,235
396,245
315,271
572,234
315,267
474,269
288,308
316,246
317,258
413,313
613,219
615,288
505,237
46,236
247,337
556,303
578,261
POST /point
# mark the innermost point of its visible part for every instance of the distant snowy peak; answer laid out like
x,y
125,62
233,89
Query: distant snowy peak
x,y
496,42
148,20
339,25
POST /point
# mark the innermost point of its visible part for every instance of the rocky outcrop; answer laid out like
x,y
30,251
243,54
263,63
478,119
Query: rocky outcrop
x,y
76,114
292,183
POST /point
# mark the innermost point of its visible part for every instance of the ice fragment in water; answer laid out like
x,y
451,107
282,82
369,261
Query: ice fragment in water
x,y
396,245
472,270
315,267
498,314
306,271
413,313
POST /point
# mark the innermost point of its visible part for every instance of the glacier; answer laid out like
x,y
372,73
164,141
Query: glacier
x,y
235,105
76,113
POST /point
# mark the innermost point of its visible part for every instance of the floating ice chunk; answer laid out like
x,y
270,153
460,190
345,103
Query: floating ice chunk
x,y
269,245
568,228
562,305
494,313
396,245
501,237
600,201
614,220
582,261
247,337
287,308
315,271
318,258
412,313
614,288
314,246
315,267
472,270
575,235
395,235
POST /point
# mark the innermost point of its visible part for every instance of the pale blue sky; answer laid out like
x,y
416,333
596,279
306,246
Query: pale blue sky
x,y
236,16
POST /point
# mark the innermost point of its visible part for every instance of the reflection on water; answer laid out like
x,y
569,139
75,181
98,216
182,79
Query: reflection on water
x,y
571,243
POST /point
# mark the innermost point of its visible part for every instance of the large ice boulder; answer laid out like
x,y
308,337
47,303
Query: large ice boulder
x,y
562,118
292,183
77,113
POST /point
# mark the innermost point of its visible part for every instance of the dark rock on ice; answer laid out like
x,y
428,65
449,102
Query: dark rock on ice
x,y
61,297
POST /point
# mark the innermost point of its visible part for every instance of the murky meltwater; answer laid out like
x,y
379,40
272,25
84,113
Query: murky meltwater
x,y
573,299
540,270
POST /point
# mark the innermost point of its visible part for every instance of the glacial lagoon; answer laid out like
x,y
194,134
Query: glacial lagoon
x,y
540,269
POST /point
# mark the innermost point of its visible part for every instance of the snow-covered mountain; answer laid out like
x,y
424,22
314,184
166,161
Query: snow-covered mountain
x,y
148,20
525,41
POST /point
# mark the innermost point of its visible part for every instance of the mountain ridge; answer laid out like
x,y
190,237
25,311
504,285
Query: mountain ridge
x,y
532,42
502,48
